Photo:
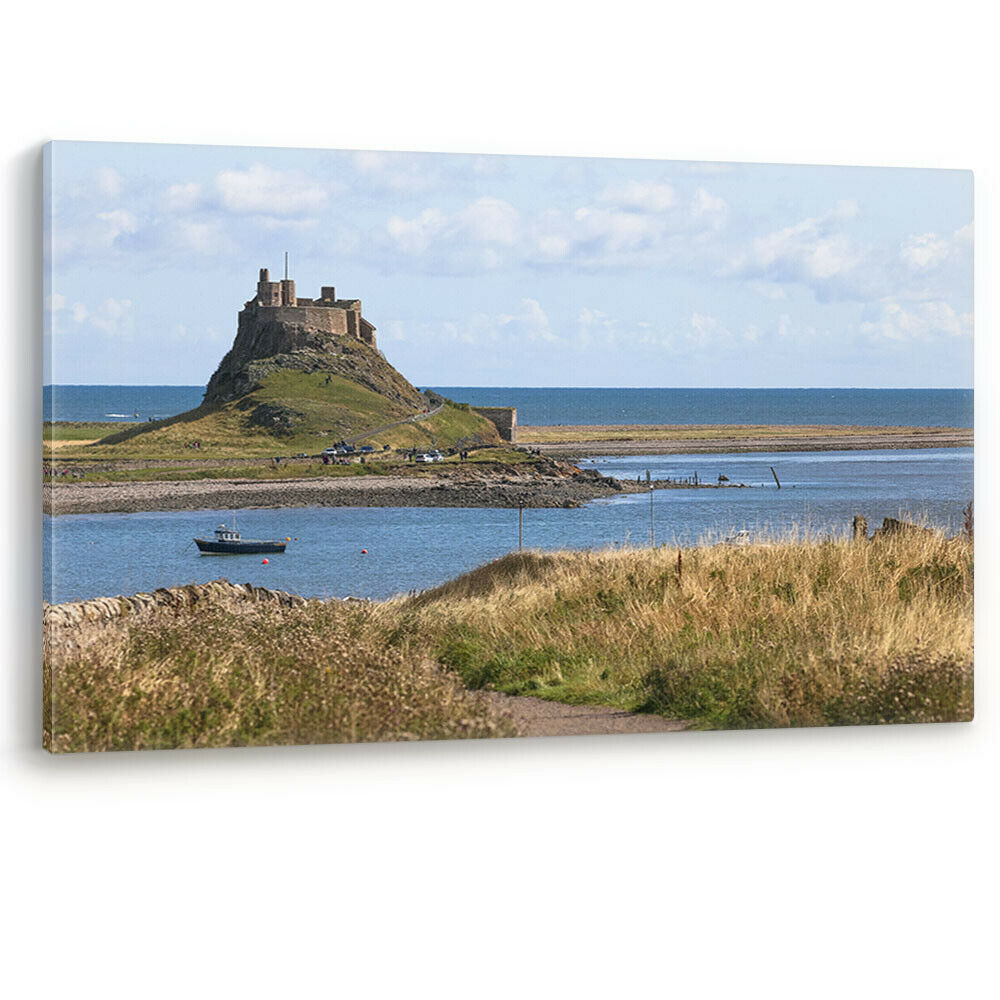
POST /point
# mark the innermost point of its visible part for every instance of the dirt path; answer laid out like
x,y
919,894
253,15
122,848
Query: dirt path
x,y
535,717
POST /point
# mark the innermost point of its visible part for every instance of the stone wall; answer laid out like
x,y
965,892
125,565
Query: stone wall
x,y
321,318
504,418
74,625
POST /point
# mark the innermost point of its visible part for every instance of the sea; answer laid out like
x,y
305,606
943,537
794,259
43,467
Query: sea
x,y
865,407
380,551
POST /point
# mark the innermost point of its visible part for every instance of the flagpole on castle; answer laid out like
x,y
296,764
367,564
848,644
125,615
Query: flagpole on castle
x,y
286,265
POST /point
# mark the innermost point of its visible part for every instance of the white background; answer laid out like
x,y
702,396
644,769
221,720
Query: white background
x,y
813,863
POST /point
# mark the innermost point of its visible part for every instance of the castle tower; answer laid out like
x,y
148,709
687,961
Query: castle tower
x,y
268,292
288,292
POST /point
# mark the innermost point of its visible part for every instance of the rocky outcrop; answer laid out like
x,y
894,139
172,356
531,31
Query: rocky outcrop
x,y
265,346
274,417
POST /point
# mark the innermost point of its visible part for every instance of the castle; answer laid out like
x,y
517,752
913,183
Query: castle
x,y
276,300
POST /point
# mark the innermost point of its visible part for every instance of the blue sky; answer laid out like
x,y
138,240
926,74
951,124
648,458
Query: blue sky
x,y
516,270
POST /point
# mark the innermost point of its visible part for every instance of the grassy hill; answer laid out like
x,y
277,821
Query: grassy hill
x,y
301,402
291,412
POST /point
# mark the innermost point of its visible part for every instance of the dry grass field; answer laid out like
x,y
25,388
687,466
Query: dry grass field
x,y
794,632
548,434
646,439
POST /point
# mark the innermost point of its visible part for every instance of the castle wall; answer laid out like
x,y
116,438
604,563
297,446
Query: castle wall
x,y
321,318
277,301
503,418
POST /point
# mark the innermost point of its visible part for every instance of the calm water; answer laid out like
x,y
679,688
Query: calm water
x,y
875,407
89,555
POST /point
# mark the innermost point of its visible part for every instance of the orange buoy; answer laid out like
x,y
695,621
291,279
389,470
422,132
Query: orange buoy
x,y
265,561
288,538
364,552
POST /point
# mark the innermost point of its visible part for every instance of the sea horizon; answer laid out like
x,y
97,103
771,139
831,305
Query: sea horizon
x,y
603,405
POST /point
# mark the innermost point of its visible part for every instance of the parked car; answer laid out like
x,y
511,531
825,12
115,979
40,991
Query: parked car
x,y
366,449
302,454
332,450
422,458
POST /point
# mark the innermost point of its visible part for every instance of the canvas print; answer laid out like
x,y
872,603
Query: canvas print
x,y
347,446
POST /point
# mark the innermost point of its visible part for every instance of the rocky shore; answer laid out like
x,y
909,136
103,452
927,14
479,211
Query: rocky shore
x,y
509,490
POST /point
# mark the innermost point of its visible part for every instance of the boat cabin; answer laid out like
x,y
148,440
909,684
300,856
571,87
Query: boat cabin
x,y
224,534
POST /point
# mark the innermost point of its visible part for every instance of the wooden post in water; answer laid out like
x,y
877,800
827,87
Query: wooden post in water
x,y
652,522
775,474
520,527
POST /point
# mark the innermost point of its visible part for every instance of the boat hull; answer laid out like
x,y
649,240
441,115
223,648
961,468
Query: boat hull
x,y
244,547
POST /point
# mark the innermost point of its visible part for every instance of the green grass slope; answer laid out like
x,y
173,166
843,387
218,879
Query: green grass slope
x,y
293,411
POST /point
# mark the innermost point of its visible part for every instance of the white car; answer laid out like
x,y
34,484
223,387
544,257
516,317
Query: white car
x,y
422,458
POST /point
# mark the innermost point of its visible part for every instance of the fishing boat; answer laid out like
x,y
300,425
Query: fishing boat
x,y
228,541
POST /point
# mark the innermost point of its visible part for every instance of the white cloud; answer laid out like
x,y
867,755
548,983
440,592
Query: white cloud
x,y
921,321
203,236
805,251
414,236
640,196
262,190
108,182
529,323
920,253
490,220
117,223
815,252
964,236
708,329
612,232
629,224
594,327
112,316
477,236
402,173
712,209
182,197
